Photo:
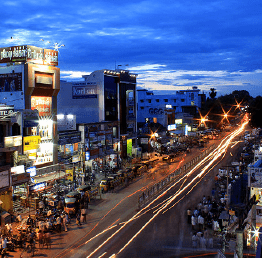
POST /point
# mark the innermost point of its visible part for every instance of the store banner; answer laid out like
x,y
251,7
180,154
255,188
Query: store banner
x,y
42,104
31,143
129,147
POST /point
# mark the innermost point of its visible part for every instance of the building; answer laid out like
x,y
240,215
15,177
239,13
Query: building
x,y
29,85
165,109
103,96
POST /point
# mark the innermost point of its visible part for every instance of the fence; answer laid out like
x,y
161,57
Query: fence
x,y
157,188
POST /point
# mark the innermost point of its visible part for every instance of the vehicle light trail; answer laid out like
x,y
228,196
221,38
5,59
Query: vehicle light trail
x,y
164,206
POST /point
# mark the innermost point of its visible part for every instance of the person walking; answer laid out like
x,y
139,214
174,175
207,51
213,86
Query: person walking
x,y
193,222
189,214
83,215
78,223
65,222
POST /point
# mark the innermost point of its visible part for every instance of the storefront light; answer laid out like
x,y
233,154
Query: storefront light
x,y
60,116
70,116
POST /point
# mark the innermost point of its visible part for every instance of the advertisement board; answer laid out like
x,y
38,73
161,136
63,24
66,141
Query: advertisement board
x,y
42,104
28,54
10,82
6,111
13,141
31,142
84,91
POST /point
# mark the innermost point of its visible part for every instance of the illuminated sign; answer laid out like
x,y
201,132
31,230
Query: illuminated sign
x,y
42,104
31,171
171,127
27,53
84,91
178,121
37,187
13,141
18,169
31,142
87,154
6,111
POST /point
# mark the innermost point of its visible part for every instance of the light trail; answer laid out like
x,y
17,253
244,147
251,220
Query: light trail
x,y
211,158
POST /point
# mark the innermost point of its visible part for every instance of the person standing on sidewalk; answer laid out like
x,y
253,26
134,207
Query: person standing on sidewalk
x,y
189,214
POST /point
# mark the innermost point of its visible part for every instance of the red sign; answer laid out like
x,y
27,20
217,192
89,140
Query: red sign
x,y
42,104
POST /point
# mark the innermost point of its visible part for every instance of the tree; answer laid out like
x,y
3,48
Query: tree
x,y
212,93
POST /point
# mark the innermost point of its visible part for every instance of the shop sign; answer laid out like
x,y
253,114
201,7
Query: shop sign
x,y
27,53
87,155
10,82
84,91
178,121
31,143
75,158
4,179
171,127
42,104
37,187
18,169
13,141
18,179
6,111
31,171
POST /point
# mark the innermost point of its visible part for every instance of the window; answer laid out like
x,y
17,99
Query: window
x,y
192,96
157,100
141,100
141,108
149,100
174,100
182,100
166,100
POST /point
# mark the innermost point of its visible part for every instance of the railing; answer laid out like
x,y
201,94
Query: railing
x,y
159,187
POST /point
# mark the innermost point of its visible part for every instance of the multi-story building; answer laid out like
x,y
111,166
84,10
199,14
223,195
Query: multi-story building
x,y
103,96
29,84
164,109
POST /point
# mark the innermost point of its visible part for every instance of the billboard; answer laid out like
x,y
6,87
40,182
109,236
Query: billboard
x,y
42,104
10,82
31,143
84,91
30,54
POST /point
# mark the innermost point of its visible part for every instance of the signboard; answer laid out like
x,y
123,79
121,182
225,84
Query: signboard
x,y
10,82
87,155
27,53
37,187
13,141
65,123
42,104
4,179
171,127
18,169
69,138
144,140
6,111
178,121
31,171
31,143
84,91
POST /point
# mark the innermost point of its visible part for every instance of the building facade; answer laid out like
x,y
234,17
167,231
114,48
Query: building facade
x,y
103,96
164,109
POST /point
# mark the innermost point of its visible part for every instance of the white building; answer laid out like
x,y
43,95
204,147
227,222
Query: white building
x,y
164,109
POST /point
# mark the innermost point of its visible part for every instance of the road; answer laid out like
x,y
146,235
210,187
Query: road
x,y
118,229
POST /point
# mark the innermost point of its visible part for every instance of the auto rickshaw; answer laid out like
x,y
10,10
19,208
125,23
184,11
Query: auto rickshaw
x,y
83,188
70,206
104,185
74,194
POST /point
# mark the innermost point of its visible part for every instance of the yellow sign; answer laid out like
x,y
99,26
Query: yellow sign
x,y
69,173
31,142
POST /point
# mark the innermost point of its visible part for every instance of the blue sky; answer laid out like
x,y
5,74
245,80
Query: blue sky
x,y
171,45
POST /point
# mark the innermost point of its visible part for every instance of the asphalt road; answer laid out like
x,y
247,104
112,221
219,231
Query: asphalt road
x,y
115,220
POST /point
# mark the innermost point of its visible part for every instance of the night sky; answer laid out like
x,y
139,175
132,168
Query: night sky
x,y
171,45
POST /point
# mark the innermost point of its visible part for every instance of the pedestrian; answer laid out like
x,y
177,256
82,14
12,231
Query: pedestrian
x,y
193,222
195,213
40,238
194,241
59,224
64,223
78,223
189,214
47,239
200,221
83,215
202,242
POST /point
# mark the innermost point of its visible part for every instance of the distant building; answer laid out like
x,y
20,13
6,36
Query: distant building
x,y
164,109
103,96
